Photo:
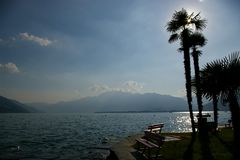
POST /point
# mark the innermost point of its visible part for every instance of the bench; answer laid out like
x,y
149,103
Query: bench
x,y
210,126
229,124
150,145
155,128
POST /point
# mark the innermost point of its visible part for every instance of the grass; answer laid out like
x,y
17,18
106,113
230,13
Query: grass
x,y
217,146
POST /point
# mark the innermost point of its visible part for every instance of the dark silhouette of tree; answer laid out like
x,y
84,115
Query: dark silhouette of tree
x,y
197,40
230,93
180,27
228,82
210,81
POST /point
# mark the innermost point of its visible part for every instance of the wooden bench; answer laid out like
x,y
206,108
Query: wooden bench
x,y
210,126
150,145
229,124
155,128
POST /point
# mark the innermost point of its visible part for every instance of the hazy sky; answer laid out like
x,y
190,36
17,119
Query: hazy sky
x,y
67,49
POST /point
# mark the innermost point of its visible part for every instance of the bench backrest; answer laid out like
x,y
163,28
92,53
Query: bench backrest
x,y
154,126
156,138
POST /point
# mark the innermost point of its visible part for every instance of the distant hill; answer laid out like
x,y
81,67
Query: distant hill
x,y
221,107
12,106
118,102
209,106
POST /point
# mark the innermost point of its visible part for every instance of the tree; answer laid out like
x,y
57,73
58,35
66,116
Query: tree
x,y
180,28
210,79
227,71
197,40
230,92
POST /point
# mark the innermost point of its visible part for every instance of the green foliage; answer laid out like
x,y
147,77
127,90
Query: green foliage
x,y
221,76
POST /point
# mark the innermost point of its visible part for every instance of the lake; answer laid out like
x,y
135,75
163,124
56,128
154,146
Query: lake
x,y
68,136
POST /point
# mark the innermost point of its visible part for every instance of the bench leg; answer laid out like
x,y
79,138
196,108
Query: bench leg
x,y
149,153
141,148
157,155
138,146
144,150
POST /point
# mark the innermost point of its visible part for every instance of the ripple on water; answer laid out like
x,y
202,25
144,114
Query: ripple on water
x,y
78,136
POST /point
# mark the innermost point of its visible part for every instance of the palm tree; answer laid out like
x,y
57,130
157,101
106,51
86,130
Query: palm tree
x,y
210,78
230,93
197,40
228,83
180,28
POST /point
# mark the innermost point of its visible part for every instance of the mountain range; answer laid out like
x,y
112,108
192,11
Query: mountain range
x,y
12,106
118,102
106,102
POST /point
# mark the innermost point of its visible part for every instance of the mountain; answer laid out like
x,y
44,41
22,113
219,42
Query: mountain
x,y
118,102
221,107
12,106
209,106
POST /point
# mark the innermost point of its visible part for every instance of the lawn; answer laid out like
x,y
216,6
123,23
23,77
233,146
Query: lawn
x,y
217,147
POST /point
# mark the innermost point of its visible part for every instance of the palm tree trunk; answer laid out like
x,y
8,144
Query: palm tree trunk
x,y
235,111
187,67
198,87
201,125
215,109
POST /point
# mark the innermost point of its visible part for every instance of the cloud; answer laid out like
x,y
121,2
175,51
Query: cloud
x,y
129,86
133,86
29,37
100,88
9,68
11,41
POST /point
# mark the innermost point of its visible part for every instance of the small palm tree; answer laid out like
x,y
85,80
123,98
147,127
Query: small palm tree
x,y
210,81
230,92
227,81
180,28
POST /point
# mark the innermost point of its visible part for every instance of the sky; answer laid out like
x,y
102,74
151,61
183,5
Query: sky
x,y
62,50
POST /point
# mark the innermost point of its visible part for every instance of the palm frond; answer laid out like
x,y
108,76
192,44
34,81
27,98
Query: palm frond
x,y
178,21
197,16
173,26
197,39
222,76
181,19
181,49
234,58
174,37
197,52
180,16
200,24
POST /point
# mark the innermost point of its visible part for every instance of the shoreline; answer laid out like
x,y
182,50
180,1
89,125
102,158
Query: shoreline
x,y
188,147
124,150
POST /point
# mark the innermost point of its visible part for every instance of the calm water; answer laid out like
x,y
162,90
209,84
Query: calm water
x,y
78,136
